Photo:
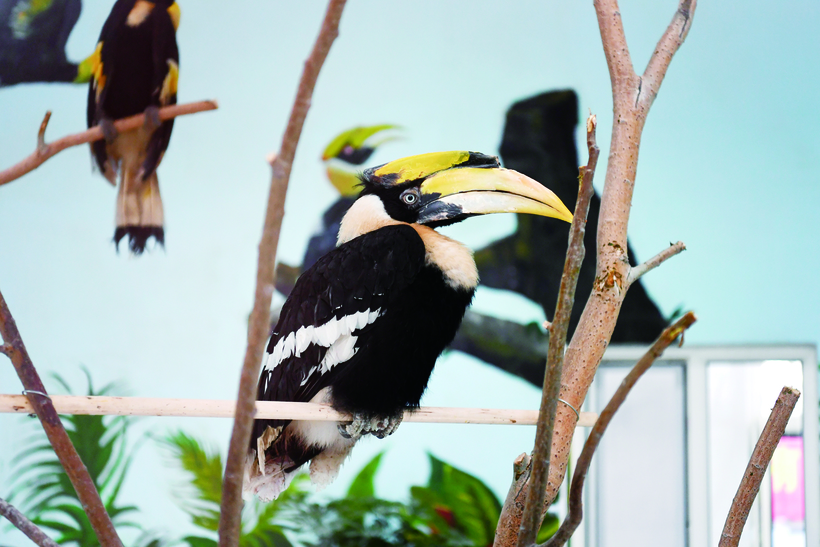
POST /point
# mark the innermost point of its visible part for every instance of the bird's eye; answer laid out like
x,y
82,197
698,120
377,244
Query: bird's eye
x,y
410,197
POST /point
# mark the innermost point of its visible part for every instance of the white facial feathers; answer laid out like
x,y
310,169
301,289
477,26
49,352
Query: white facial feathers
x,y
365,215
336,335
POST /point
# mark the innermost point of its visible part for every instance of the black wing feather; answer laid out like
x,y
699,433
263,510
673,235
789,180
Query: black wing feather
x,y
365,274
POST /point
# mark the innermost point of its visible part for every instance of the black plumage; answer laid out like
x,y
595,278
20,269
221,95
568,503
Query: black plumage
x,y
381,272
136,71
363,327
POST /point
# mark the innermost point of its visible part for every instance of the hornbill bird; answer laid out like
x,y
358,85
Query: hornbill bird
x,y
364,325
136,67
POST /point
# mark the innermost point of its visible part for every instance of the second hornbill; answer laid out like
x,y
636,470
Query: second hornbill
x,y
364,325
135,70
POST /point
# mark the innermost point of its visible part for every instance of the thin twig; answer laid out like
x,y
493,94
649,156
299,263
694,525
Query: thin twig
x,y
56,433
45,151
536,488
669,43
759,462
576,505
41,135
636,272
23,524
600,314
100,405
258,329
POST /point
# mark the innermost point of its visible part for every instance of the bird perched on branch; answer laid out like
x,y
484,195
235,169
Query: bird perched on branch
x,y
364,325
135,70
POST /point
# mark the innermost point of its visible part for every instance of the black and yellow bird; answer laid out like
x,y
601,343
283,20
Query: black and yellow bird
x,y
363,326
135,70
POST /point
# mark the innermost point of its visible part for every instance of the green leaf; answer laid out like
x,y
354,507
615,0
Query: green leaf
x,y
548,528
474,506
363,485
197,541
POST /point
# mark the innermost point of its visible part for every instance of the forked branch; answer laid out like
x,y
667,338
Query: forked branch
x,y
44,151
630,107
759,462
229,522
576,504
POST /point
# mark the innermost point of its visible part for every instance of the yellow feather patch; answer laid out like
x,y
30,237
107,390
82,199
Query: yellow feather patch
x,y
169,84
175,14
139,13
96,66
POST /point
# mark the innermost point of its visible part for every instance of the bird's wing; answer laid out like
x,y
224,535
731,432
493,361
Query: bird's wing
x,y
102,70
344,292
166,74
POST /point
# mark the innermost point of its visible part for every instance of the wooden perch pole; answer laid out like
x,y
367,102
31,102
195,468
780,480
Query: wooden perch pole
x,y
258,328
759,462
40,402
576,502
206,408
44,151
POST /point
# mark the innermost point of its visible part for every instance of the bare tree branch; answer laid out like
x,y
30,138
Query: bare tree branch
x,y
636,272
258,329
598,319
753,476
576,505
669,43
56,433
23,524
45,151
533,509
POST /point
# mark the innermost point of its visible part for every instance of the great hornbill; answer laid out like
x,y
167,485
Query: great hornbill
x,y
135,70
364,325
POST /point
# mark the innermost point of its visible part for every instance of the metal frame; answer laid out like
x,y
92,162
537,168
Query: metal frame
x,y
695,360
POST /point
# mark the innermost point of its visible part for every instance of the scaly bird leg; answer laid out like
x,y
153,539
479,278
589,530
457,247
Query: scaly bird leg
x,y
383,426
152,121
379,426
354,429
109,131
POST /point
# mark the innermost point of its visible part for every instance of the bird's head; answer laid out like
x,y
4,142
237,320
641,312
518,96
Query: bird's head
x,y
350,148
443,188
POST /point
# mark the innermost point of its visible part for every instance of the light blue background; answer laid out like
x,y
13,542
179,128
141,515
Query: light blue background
x,y
728,165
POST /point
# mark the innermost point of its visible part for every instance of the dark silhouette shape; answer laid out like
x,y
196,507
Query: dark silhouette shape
x,y
32,45
539,141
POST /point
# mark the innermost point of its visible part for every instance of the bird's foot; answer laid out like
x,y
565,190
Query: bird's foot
x,y
379,426
354,429
152,121
109,131
383,426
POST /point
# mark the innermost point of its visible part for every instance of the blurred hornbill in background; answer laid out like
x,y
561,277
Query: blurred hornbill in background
x,y
135,70
364,325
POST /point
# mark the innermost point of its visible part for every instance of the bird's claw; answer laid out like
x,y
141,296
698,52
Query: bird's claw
x,y
109,131
353,429
152,121
380,426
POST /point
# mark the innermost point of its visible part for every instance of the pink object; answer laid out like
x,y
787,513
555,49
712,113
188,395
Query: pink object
x,y
788,486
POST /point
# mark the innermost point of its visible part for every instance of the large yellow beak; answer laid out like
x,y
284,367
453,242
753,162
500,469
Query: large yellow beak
x,y
459,184
453,194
